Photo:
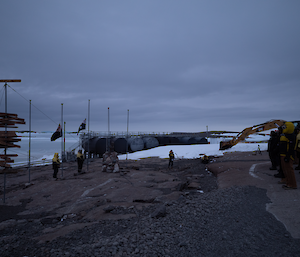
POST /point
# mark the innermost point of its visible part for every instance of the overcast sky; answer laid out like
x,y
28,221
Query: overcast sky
x,y
176,65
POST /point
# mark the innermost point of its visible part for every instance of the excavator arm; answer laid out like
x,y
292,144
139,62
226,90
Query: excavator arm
x,y
251,130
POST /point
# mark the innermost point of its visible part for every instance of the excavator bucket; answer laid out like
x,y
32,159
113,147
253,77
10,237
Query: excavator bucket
x,y
225,145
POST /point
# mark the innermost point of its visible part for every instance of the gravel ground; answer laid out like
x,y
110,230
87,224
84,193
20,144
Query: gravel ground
x,y
218,222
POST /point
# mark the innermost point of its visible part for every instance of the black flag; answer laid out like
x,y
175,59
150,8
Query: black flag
x,y
82,126
57,134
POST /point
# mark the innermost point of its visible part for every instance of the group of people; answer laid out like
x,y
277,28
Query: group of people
x,y
56,163
283,147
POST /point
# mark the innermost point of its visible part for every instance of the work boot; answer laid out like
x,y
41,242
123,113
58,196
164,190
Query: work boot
x,y
297,168
273,168
279,175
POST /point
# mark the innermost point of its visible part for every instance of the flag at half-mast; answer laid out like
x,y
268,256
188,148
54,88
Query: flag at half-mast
x,y
57,134
82,126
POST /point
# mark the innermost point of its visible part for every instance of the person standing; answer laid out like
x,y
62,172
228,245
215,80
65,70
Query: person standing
x,y
280,173
171,159
80,160
297,146
273,150
287,146
55,165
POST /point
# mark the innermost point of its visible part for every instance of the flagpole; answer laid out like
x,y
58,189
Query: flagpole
x,y
62,142
87,162
4,179
107,144
64,137
127,134
29,141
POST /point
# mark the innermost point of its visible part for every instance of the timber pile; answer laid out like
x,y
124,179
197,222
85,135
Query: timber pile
x,y
8,138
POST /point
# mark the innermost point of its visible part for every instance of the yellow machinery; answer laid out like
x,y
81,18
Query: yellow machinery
x,y
251,130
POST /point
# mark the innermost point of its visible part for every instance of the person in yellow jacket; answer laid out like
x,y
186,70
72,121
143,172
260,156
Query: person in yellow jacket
x,y
171,159
287,150
80,160
297,146
55,165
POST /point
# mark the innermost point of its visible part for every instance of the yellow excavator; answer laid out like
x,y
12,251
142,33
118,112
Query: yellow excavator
x,y
251,130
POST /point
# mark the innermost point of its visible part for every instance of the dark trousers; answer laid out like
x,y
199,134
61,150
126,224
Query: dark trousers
x,y
171,163
55,170
80,164
298,156
274,160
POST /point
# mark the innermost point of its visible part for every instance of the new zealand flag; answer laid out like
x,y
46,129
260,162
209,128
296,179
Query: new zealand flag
x,y
82,126
57,134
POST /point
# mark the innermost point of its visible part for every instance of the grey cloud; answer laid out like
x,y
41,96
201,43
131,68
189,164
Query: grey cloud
x,y
176,65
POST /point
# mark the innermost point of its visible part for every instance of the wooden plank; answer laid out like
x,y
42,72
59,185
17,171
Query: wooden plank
x,y
10,117
4,114
8,134
7,145
7,117
10,139
3,162
10,126
11,122
4,141
10,80
8,155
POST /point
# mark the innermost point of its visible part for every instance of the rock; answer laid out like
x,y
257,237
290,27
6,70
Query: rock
x,y
109,208
193,185
7,223
161,211
116,168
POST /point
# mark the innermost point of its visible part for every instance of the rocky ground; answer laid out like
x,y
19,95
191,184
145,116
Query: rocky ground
x,y
176,212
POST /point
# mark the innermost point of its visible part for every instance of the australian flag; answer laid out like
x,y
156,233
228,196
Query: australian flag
x,y
57,134
82,126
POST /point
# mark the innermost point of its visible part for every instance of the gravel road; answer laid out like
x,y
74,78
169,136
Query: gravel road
x,y
218,222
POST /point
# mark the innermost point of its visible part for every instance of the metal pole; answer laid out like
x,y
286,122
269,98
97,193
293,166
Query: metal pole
x,y
108,129
64,137
29,141
62,142
207,132
127,134
5,87
87,162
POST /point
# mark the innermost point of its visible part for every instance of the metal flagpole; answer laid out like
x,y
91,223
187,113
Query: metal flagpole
x,y
62,142
29,141
127,134
5,86
87,162
108,129
64,137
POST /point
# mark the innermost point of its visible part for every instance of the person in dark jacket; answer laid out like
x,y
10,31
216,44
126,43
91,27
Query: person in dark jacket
x,y
287,149
297,146
273,150
280,173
